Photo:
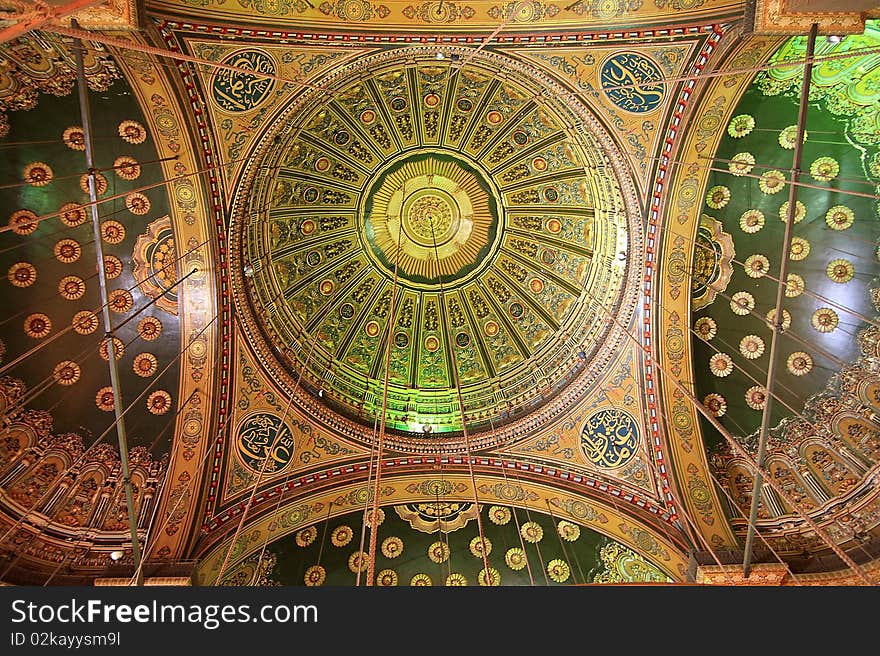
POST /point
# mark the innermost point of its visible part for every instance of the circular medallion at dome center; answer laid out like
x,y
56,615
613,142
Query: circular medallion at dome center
x,y
433,215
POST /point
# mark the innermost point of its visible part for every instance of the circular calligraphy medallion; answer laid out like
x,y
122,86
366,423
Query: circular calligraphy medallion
x,y
240,90
263,435
609,438
632,82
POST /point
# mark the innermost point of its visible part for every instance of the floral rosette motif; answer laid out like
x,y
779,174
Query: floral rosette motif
x,y
392,547
499,515
104,399
756,266
72,215
786,319
118,349
740,126
380,515
742,303
800,211
38,174
706,328
341,536
824,169
101,184
718,197
751,221
84,322
532,532
120,301
752,347
756,397
357,562
421,580
721,365
67,251
132,132
71,288
456,580
438,552
788,137
515,558
149,328
840,270
113,232
306,536
23,222
493,579
37,326
839,217
799,363
66,372
22,274
741,164
772,182
386,578
74,138
477,545
715,404
824,320
159,402
127,167
137,203
145,364
799,249
315,576
558,570
112,267
794,285
568,531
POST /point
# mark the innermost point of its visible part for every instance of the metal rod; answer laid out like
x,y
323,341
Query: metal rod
x,y
105,311
780,297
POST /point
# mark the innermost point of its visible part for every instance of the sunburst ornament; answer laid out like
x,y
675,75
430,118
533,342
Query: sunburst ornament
x,y
741,164
22,274
499,515
132,132
786,319
357,562
721,365
67,251
478,545
840,270
120,301
800,211
568,531
438,552
751,221
492,579
756,397
706,328
66,372
85,322
824,169
752,347
742,303
159,402
788,137
23,222
839,217
824,320
715,404
118,349
756,266
515,558
74,138
558,570
740,126
71,288
145,364
101,184
314,576
386,578
772,182
127,167
532,532
799,249
456,580
718,197
104,399
306,536
374,521
421,580
72,214
341,536
794,285
149,328
112,267
392,547
137,203
37,326
799,363
113,232
38,174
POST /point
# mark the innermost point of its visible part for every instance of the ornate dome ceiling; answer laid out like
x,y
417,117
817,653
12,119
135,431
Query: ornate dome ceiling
x,y
466,210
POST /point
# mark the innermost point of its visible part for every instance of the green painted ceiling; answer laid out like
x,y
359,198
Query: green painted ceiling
x,y
57,251
497,205
843,132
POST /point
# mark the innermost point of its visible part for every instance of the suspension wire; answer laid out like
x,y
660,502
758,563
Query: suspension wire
x,y
562,545
72,326
323,537
367,499
98,440
779,168
21,183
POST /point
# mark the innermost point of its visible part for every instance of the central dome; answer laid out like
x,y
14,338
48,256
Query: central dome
x,y
496,198
434,215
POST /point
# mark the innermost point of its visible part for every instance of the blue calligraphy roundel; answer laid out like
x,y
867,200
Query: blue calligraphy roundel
x,y
261,436
240,91
609,438
632,82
